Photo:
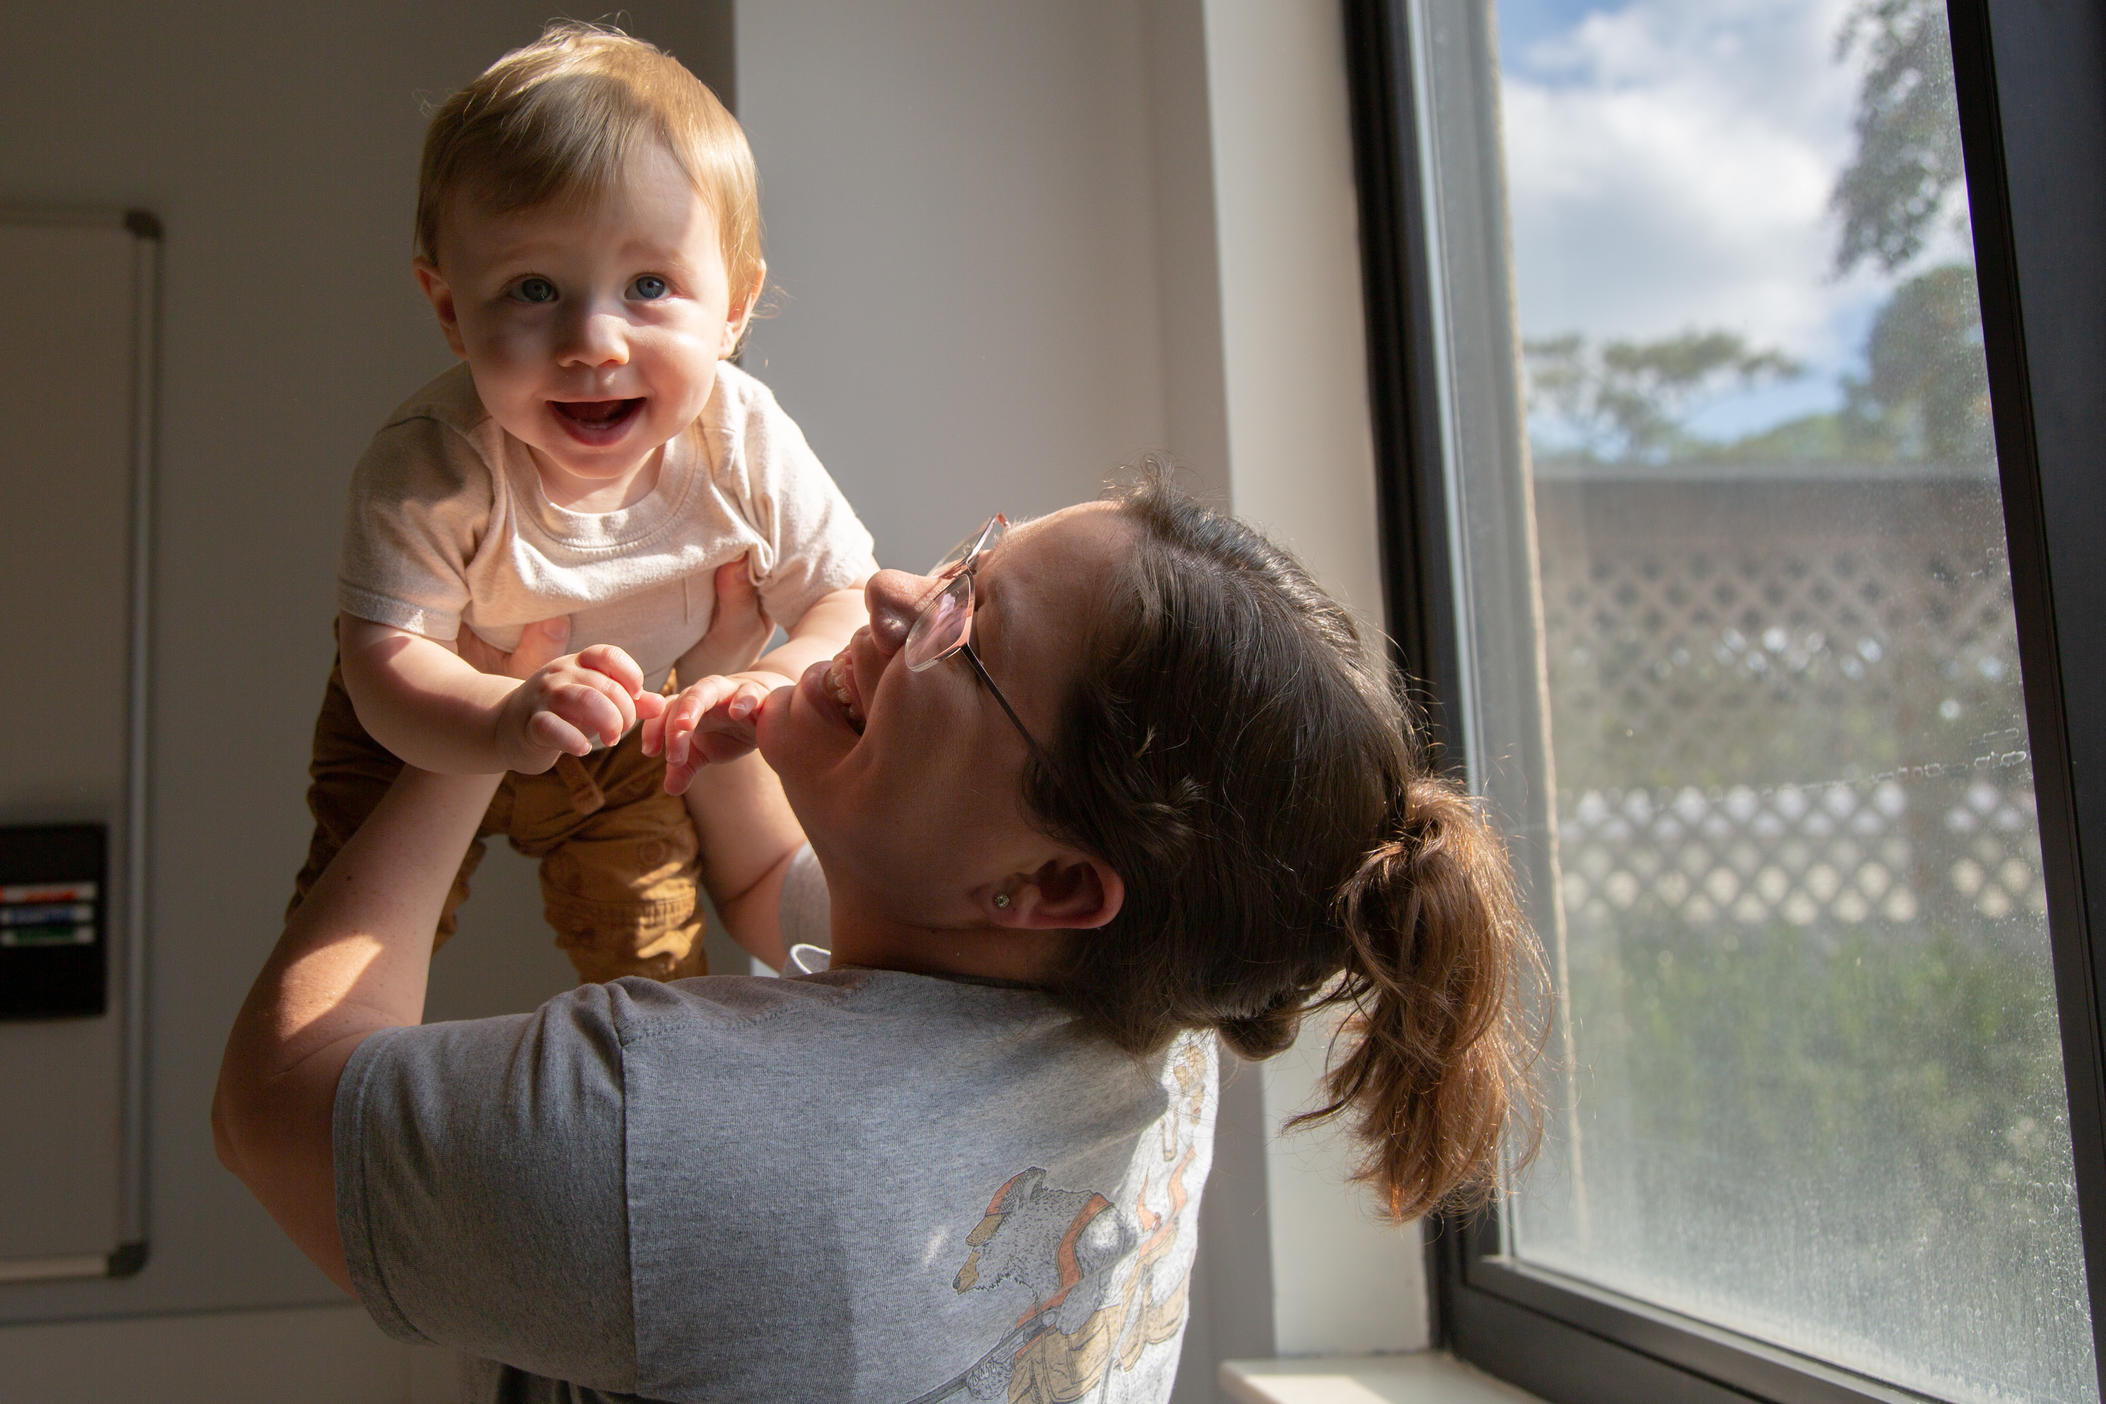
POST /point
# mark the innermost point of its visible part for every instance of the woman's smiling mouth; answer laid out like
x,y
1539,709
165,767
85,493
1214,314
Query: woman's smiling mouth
x,y
840,675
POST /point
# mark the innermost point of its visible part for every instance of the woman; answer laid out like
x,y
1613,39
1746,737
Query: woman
x,y
1119,778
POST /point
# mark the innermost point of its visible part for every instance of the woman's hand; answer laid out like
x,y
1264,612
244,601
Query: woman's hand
x,y
540,643
738,627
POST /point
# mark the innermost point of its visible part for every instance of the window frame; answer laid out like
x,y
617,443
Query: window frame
x,y
2031,81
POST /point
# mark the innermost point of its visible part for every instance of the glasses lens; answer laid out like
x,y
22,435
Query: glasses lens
x,y
943,625
981,539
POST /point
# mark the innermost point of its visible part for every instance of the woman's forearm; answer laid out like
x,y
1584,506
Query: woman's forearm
x,y
748,837
353,960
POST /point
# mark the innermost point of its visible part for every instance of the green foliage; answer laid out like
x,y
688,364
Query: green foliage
x,y
1842,435
1929,385
1868,1126
1786,1045
1925,398
1908,133
1627,401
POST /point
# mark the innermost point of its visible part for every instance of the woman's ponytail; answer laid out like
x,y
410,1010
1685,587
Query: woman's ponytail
x,y
1256,1037
1249,765
1435,1050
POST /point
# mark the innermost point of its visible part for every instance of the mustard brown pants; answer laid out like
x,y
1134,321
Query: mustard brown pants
x,y
620,862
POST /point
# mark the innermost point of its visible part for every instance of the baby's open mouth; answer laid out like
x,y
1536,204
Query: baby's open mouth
x,y
596,414
837,679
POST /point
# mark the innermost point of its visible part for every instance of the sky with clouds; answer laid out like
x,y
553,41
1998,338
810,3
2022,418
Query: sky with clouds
x,y
1668,167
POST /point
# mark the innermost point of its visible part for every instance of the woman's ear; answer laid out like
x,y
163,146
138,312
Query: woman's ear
x,y
441,298
1074,892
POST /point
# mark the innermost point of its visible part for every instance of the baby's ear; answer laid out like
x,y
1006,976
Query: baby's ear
x,y
441,297
740,314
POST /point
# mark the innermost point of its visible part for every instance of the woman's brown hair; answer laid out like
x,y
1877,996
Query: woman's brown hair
x,y
1249,767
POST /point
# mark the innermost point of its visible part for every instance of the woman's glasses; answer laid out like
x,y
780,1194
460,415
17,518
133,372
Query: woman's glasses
x,y
945,624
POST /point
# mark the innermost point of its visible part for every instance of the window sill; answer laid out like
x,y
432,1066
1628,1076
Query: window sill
x,y
1429,1377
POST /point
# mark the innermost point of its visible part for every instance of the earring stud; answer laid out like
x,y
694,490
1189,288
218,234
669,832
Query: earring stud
x,y
1001,899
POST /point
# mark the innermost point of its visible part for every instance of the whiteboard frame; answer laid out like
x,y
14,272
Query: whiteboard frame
x,y
128,942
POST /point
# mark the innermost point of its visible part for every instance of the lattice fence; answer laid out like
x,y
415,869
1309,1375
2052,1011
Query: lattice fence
x,y
1834,855
1786,701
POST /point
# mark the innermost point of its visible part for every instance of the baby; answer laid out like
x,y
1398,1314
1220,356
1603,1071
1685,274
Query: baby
x,y
588,234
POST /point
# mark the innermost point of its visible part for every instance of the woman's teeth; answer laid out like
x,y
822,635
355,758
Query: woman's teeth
x,y
837,685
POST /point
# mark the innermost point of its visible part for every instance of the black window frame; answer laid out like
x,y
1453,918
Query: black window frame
x,y
2031,80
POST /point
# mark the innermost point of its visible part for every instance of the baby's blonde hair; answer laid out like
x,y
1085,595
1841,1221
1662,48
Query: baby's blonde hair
x,y
560,119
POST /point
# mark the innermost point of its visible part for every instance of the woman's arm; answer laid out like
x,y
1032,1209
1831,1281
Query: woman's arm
x,y
747,830
352,961
749,837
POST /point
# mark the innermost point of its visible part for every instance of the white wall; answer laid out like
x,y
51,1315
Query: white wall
x,y
960,233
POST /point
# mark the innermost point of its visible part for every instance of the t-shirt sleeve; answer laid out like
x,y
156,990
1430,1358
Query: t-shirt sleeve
x,y
421,498
816,543
480,1188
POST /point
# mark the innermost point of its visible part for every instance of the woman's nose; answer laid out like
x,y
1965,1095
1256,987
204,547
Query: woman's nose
x,y
895,597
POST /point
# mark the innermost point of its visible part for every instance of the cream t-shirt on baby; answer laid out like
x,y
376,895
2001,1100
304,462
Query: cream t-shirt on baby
x,y
448,526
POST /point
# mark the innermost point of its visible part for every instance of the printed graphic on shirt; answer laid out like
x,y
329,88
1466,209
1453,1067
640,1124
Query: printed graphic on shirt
x,y
1103,1281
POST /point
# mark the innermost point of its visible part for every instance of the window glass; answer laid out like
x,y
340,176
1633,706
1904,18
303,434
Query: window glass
x,y
1744,675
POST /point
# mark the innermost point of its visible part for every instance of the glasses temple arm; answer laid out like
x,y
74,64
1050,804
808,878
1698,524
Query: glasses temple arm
x,y
981,670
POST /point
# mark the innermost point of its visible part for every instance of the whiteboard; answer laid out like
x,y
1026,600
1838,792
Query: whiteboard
x,y
77,312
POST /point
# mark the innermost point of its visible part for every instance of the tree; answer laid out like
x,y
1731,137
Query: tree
x,y
1628,401
1928,388
1908,133
1925,393
1929,385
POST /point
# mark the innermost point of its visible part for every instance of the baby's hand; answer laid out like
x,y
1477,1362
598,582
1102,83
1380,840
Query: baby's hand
x,y
706,723
569,705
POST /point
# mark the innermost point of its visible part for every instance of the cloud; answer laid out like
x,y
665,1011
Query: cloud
x,y
1669,165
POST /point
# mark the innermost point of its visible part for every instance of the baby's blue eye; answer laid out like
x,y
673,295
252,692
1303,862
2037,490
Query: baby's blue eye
x,y
535,290
649,287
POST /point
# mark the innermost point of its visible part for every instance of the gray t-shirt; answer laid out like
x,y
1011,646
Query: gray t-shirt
x,y
856,1185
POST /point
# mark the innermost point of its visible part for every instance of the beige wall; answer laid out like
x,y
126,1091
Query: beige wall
x,y
961,235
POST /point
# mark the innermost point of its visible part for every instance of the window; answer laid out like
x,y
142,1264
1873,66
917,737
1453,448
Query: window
x,y
1764,636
